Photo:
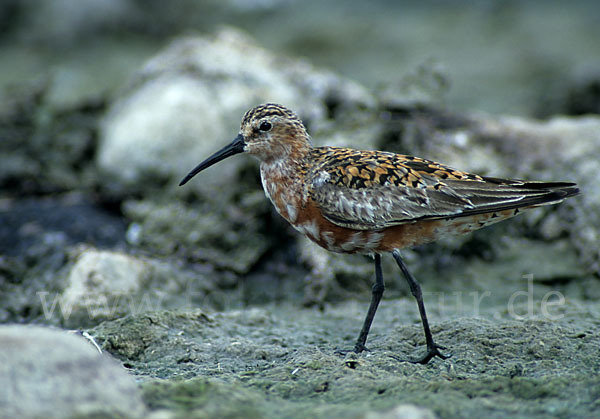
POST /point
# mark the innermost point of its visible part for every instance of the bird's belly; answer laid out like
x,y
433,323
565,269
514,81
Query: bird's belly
x,y
425,231
344,240
341,240
335,238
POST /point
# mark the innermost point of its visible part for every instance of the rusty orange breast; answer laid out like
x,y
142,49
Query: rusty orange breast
x,y
332,237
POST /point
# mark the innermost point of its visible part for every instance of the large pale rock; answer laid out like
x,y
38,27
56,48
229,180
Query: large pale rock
x,y
54,374
104,285
99,281
98,285
187,102
403,411
98,272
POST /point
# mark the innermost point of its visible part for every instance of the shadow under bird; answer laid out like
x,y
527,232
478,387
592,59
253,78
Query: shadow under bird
x,y
374,202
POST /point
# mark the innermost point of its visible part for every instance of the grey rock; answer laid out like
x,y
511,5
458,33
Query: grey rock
x,y
86,286
55,374
188,100
96,280
104,285
231,237
560,149
403,411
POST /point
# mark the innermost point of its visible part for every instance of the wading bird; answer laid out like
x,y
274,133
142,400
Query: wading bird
x,y
374,202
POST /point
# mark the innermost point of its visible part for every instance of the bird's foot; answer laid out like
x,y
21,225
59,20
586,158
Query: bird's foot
x,y
432,352
358,348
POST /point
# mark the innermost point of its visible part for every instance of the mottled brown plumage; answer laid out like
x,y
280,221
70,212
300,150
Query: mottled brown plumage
x,y
354,201
368,190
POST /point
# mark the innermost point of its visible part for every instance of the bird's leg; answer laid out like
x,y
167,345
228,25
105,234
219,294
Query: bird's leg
x,y
415,289
376,293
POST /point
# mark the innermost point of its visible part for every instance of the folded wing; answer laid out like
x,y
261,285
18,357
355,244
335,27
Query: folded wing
x,y
367,190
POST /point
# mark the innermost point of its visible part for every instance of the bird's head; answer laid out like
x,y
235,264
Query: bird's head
x,y
269,132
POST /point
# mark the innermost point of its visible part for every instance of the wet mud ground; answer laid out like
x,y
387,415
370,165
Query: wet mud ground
x,y
282,360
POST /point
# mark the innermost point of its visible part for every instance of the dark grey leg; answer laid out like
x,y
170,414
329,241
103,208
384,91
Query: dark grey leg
x,y
415,289
376,293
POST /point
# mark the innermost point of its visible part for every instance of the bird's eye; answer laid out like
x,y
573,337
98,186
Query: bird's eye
x,y
265,126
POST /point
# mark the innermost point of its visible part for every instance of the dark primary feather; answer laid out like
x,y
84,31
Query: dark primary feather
x,y
370,189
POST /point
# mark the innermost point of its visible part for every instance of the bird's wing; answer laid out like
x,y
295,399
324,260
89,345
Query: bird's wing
x,y
366,190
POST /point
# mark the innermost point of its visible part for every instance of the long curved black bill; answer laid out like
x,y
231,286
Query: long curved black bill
x,y
236,146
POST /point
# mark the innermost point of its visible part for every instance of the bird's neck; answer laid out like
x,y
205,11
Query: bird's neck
x,y
282,181
285,170
288,159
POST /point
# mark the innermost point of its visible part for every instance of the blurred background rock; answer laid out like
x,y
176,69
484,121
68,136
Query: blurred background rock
x,y
499,56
